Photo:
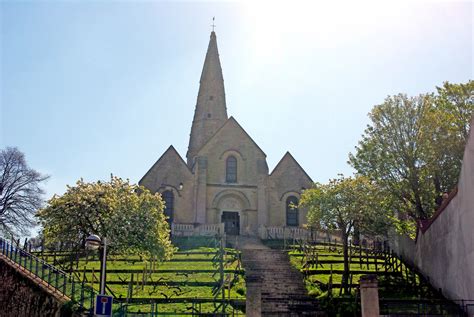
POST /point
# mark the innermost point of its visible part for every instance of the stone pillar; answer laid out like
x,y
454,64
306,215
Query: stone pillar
x,y
262,197
253,302
201,190
369,295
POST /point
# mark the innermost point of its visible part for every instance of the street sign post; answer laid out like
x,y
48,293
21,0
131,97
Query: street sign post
x,y
103,306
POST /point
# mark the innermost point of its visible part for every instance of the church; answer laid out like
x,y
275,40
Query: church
x,y
225,184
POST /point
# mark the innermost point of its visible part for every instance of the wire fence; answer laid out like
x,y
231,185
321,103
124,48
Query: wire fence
x,y
188,307
82,295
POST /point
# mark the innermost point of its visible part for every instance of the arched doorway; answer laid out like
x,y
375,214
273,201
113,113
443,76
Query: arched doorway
x,y
230,208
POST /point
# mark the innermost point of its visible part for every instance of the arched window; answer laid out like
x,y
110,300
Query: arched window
x,y
231,169
168,197
292,211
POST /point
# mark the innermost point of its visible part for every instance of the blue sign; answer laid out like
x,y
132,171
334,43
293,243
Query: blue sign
x,y
103,305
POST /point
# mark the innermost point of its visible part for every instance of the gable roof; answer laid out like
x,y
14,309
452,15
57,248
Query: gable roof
x,y
290,159
170,151
230,121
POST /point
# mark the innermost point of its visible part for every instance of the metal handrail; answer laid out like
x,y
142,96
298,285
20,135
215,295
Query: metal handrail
x,y
44,271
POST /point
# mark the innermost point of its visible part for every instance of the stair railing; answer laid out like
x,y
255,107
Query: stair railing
x,y
55,278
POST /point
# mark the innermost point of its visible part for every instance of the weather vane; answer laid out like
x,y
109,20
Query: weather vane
x,y
213,25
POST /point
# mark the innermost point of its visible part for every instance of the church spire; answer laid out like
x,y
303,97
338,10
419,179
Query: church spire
x,y
211,112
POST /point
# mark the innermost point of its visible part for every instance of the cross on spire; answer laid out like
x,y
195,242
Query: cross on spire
x,y
213,25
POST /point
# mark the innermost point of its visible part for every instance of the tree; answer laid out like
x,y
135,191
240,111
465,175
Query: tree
x,y
457,101
447,126
414,146
129,216
390,152
20,192
342,204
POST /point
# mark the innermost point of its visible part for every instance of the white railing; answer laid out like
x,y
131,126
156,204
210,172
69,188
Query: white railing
x,y
186,230
210,229
296,233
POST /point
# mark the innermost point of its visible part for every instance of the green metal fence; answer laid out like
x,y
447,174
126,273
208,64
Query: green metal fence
x,y
194,307
61,282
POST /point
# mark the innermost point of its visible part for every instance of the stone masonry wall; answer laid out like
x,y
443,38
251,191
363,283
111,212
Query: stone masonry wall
x,y
19,296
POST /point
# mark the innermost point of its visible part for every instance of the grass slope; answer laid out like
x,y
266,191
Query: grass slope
x,y
190,274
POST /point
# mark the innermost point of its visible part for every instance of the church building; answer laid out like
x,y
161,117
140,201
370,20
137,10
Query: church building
x,y
225,182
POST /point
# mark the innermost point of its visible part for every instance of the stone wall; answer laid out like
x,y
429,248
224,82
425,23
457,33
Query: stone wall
x,y
167,174
287,179
20,296
444,248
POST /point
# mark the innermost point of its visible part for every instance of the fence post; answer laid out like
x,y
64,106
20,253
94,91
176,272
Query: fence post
x,y
56,280
92,300
72,289
49,276
81,300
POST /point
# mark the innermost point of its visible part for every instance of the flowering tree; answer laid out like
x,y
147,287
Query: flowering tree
x,y
129,216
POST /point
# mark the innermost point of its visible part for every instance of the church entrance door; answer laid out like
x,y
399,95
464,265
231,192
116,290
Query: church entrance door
x,y
231,220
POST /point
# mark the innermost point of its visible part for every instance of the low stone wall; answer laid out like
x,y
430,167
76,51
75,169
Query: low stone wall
x,y
20,296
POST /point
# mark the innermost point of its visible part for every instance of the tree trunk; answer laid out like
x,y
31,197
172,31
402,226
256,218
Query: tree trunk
x,y
439,193
419,207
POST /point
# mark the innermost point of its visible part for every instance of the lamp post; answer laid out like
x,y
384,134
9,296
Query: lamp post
x,y
93,242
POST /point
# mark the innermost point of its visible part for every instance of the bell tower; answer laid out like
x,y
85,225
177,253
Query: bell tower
x,y
211,111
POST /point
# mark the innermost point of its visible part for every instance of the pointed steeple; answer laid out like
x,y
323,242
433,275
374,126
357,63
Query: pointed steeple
x,y
211,111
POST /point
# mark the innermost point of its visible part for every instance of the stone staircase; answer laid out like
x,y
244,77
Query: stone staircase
x,y
282,290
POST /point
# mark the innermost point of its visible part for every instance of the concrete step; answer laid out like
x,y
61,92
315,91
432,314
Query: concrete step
x,y
283,291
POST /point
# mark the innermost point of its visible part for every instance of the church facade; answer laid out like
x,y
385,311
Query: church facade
x,y
225,182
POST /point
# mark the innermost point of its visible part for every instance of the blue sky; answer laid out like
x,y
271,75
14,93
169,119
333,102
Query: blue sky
x,y
90,88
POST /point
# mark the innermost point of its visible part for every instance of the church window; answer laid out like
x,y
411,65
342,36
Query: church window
x,y
292,211
208,115
211,97
231,169
168,197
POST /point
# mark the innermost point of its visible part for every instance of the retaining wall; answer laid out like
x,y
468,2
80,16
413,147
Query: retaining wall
x,y
444,248
20,296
